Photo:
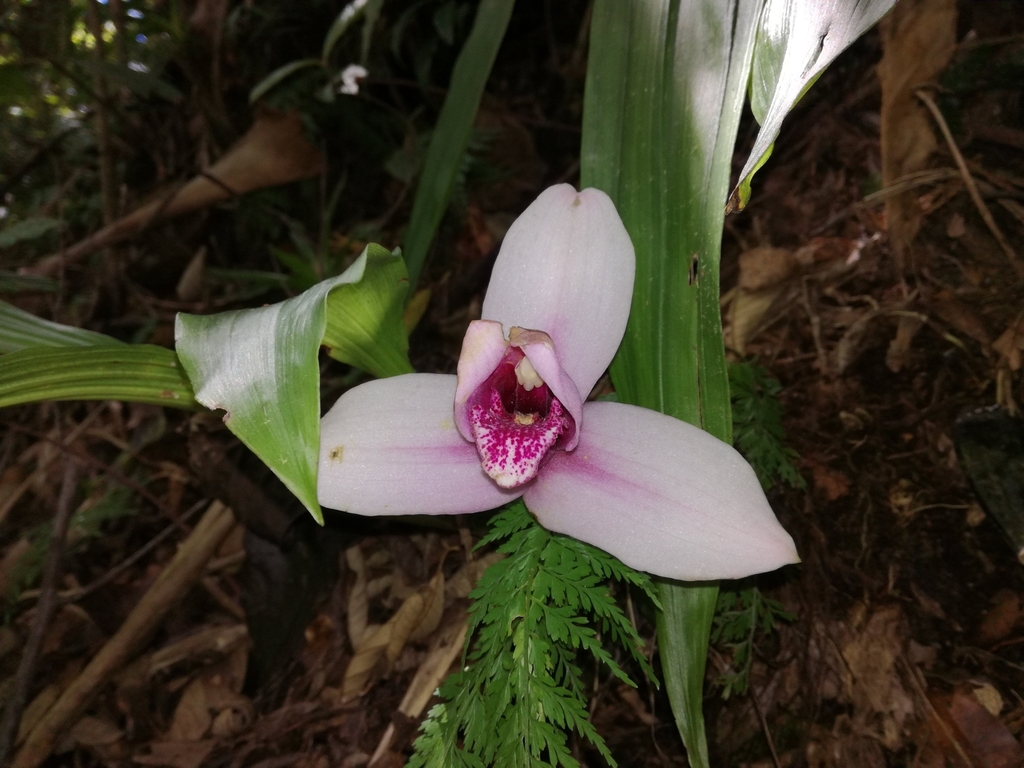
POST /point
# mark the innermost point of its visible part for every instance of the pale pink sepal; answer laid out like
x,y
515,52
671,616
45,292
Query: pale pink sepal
x,y
539,350
566,267
483,346
662,496
390,447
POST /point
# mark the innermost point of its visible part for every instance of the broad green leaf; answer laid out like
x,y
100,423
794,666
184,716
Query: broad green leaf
x,y
665,88
140,373
21,330
261,365
27,229
362,316
454,128
796,40
278,76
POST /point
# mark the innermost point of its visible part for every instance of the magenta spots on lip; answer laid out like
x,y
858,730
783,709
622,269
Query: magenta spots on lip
x,y
514,428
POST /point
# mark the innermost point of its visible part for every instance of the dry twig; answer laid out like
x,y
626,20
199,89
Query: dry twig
x,y
184,570
972,187
44,611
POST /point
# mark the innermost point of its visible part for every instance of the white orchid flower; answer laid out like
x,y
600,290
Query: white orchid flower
x,y
660,494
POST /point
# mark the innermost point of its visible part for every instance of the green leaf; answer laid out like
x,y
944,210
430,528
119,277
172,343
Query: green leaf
x,y
454,128
12,282
16,87
20,330
261,365
143,84
665,88
348,16
278,76
27,229
364,321
796,40
522,689
137,373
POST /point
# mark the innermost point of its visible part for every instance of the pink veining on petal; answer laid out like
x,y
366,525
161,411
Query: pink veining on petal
x,y
512,449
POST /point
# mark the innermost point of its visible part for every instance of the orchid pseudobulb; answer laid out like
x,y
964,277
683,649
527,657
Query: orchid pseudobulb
x,y
661,495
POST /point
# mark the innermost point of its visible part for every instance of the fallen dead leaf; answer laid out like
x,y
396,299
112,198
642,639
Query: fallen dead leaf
x,y
990,698
95,732
881,705
176,754
1010,345
1005,614
273,151
898,353
415,619
981,736
918,39
831,482
961,318
202,702
764,267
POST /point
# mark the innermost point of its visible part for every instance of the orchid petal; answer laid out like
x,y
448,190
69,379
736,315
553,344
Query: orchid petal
x,y
542,356
662,496
566,267
483,346
390,447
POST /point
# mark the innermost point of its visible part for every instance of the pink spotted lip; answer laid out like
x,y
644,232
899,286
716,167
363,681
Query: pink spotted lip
x,y
515,420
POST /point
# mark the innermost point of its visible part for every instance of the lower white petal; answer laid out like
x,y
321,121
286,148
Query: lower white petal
x,y
390,447
662,496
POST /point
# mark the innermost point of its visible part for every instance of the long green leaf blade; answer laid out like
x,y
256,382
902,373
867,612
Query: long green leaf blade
x,y
21,330
665,86
136,373
453,130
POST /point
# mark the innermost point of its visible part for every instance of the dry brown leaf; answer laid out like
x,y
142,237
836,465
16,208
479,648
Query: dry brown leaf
x,y
987,695
1006,614
273,151
1011,344
899,348
918,39
192,718
176,754
831,482
746,315
357,614
202,702
851,342
216,640
415,619
880,702
765,267
95,732
9,564
985,740
464,580
418,617
961,317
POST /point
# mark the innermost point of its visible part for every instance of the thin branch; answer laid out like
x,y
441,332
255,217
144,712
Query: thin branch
x,y
972,187
44,611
